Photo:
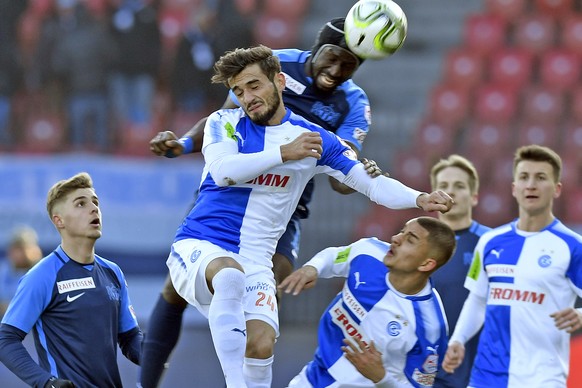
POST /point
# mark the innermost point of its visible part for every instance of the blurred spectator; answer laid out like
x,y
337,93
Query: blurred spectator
x,y
23,252
215,27
83,54
133,80
10,66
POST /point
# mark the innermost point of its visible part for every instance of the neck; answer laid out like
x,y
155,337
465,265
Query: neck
x,y
534,223
278,117
307,67
456,223
81,250
407,284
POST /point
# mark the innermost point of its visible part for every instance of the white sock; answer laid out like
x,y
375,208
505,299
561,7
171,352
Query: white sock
x,y
258,372
227,324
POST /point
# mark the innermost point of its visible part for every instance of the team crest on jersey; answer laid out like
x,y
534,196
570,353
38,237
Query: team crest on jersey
x,y
113,292
195,255
75,284
326,112
349,153
360,135
393,328
545,261
294,85
424,379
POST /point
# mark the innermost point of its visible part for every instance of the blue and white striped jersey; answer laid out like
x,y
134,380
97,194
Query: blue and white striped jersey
x,y
409,331
249,216
525,277
77,313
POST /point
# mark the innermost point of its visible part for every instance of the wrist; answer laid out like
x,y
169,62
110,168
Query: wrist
x,y
187,143
418,200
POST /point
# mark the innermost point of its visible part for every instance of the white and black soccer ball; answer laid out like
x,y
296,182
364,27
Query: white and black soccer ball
x,y
375,29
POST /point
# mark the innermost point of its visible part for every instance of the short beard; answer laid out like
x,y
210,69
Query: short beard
x,y
272,103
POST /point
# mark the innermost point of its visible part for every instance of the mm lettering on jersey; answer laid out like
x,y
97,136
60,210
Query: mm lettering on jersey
x,y
494,270
352,303
503,295
273,180
75,284
342,319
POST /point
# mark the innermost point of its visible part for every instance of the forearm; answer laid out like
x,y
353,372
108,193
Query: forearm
x,y
130,344
384,191
196,133
16,358
228,167
471,318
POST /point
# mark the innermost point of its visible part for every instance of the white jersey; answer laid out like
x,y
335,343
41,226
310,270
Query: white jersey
x,y
409,331
525,277
247,195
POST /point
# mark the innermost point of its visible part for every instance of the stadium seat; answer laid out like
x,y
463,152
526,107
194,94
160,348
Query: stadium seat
x,y
534,32
276,32
286,8
448,105
560,68
511,66
434,140
495,104
573,199
43,133
576,104
543,105
485,140
40,8
484,33
555,8
507,9
572,138
171,23
571,33
463,68
496,204
537,133
381,222
411,168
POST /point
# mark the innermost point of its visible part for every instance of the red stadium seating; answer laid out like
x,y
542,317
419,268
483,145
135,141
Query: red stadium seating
x,y
277,32
412,169
448,105
573,205
286,8
571,33
434,140
572,138
484,140
576,104
536,133
484,33
172,22
463,68
535,32
507,9
496,204
382,223
511,66
555,8
560,68
543,105
495,104
43,133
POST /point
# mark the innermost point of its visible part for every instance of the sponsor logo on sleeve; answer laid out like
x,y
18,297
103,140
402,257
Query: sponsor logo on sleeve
x,y
294,85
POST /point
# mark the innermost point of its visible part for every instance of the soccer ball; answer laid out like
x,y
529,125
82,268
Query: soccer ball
x,y
375,28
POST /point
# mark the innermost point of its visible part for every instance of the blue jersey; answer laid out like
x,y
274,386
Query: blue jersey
x,y
449,283
525,277
409,331
77,313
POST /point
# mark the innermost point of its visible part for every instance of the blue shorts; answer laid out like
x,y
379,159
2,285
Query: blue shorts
x,y
288,244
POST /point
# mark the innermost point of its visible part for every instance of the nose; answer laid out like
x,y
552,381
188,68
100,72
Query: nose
x,y
396,239
335,70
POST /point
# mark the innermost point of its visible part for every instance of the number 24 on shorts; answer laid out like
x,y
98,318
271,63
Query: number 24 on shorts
x,y
264,299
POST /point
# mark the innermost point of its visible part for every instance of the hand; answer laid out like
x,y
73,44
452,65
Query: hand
x,y
166,144
308,144
454,356
437,201
372,168
302,279
366,359
569,319
55,382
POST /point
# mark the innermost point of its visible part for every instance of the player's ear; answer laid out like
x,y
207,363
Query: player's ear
x,y
428,265
58,221
281,81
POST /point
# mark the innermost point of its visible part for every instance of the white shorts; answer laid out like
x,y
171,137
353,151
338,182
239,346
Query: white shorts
x,y
187,264
300,381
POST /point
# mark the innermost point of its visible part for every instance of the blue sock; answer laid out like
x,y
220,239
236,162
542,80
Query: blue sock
x,y
161,337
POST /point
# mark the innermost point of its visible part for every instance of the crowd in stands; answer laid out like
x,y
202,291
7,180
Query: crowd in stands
x,y
103,76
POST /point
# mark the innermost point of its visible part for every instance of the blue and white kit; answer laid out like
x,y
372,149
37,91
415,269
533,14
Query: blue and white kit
x,y
74,309
409,331
517,279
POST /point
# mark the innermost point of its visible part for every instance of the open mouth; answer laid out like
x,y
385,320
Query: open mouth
x,y
96,221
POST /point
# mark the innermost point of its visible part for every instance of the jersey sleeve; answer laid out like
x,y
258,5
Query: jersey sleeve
x,y
32,296
477,280
355,127
335,261
574,272
127,318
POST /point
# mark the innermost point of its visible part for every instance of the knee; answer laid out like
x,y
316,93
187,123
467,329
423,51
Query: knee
x,y
260,347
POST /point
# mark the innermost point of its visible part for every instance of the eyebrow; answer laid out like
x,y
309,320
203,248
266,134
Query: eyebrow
x,y
85,197
248,83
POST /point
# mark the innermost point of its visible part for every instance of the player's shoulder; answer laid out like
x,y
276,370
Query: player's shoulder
x,y
371,246
492,233
227,114
291,55
565,232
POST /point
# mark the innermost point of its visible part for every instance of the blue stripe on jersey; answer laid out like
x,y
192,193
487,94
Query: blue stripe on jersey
x,y
497,345
502,279
574,272
376,286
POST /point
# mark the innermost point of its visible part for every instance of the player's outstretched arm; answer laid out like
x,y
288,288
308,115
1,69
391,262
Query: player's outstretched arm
x,y
371,168
454,356
569,319
302,279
